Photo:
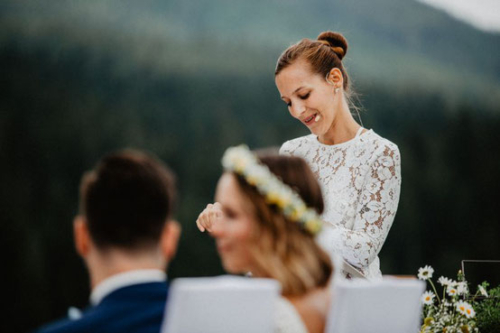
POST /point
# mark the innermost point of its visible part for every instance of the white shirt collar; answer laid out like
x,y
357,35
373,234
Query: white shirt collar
x,y
120,280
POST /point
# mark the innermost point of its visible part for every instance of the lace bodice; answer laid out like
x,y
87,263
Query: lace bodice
x,y
361,182
287,319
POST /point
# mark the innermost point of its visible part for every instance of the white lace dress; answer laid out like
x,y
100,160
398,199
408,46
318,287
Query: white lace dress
x,y
361,182
287,319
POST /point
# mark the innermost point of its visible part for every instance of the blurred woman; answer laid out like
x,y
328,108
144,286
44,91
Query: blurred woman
x,y
267,211
358,170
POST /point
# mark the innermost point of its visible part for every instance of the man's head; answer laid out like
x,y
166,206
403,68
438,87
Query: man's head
x,y
126,203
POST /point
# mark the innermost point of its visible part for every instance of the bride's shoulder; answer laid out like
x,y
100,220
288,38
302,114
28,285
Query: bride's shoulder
x,y
379,143
291,146
287,319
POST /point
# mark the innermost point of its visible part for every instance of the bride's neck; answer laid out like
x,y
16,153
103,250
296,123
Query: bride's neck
x,y
343,128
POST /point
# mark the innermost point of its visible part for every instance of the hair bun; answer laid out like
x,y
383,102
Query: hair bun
x,y
336,41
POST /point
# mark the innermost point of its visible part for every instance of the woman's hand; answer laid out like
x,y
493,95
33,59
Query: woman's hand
x,y
209,216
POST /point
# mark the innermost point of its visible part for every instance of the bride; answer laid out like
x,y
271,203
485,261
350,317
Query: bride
x,y
264,222
359,171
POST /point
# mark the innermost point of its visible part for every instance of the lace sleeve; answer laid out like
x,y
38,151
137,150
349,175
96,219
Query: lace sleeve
x,y
376,209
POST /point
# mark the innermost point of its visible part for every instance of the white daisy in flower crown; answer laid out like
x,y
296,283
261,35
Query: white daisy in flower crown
x,y
425,273
428,298
244,163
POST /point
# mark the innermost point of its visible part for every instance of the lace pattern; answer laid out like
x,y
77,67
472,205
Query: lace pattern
x,y
361,182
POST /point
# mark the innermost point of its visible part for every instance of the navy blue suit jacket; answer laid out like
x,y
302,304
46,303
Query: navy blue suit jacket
x,y
135,308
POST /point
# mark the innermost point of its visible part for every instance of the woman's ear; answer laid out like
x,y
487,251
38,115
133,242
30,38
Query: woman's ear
x,y
81,236
170,239
334,77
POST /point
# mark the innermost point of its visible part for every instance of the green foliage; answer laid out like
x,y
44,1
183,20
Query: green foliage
x,y
488,312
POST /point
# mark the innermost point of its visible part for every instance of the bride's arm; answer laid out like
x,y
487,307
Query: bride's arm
x,y
375,212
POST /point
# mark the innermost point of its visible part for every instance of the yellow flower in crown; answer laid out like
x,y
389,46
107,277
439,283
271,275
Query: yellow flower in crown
x,y
284,200
313,226
272,197
297,212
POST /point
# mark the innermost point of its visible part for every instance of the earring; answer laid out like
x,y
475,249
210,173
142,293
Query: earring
x,y
336,90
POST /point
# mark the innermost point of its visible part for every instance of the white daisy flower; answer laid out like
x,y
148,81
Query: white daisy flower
x,y
461,307
465,309
462,288
444,281
469,312
482,291
428,298
425,273
451,290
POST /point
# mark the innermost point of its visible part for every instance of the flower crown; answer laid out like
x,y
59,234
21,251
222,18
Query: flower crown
x,y
243,162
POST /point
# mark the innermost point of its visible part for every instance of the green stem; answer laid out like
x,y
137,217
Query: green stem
x,y
475,295
435,291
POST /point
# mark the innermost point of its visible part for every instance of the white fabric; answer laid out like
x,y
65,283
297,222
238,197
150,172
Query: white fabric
x,y
224,304
125,279
389,306
361,182
287,319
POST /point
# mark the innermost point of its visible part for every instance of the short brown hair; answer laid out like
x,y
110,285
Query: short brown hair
x,y
284,251
323,54
126,199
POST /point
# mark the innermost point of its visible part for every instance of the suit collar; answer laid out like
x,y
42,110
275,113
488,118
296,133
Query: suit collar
x,y
125,279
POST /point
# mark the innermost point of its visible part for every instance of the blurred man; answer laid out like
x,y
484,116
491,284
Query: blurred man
x,y
126,238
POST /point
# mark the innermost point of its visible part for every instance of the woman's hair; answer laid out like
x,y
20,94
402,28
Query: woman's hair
x,y
323,54
283,251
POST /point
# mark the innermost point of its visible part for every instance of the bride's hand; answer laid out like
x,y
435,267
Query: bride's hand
x,y
209,216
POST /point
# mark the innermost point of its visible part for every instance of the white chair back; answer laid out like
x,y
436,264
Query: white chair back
x,y
225,304
390,306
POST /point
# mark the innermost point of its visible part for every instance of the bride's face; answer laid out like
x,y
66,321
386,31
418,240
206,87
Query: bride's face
x,y
309,97
233,233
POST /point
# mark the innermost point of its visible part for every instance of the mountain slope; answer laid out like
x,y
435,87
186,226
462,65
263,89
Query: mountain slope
x,y
392,42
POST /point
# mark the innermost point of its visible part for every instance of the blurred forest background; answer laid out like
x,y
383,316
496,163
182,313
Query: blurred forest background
x,y
186,79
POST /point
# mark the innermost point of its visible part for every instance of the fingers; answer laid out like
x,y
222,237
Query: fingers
x,y
207,218
217,207
200,226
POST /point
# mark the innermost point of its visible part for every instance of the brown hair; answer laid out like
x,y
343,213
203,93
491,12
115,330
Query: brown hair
x,y
322,54
126,199
283,250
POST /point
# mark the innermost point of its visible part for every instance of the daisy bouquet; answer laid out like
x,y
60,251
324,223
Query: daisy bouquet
x,y
447,311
